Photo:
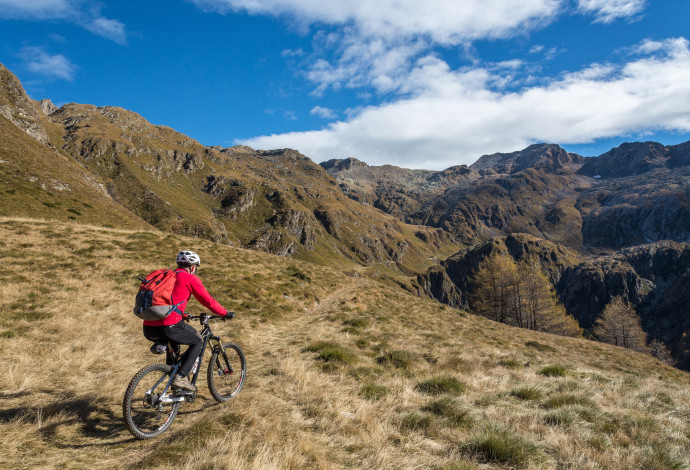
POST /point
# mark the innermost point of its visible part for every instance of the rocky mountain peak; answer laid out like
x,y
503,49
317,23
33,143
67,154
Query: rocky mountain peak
x,y
17,107
46,106
549,157
338,165
628,159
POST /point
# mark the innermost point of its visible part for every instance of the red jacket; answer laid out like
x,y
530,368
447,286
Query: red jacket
x,y
187,284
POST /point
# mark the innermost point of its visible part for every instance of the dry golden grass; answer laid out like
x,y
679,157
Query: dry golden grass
x,y
335,364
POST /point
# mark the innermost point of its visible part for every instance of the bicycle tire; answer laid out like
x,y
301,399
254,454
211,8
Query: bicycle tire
x,y
142,412
226,382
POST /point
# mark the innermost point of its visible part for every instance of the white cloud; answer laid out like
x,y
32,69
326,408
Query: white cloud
x,y
109,29
36,10
445,21
325,113
607,11
38,61
80,12
454,116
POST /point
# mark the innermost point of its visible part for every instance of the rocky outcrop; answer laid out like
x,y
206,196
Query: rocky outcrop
x,y
46,106
436,283
653,278
546,157
627,160
18,108
461,267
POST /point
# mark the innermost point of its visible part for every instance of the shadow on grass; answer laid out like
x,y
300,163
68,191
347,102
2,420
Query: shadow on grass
x,y
96,421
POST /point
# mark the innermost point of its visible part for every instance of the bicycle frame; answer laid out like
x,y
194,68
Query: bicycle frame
x,y
206,336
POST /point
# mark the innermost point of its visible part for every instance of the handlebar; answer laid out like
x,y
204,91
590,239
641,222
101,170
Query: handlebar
x,y
204,318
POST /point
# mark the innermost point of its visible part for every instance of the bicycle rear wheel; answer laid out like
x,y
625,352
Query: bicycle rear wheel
x,y
226,378
147,412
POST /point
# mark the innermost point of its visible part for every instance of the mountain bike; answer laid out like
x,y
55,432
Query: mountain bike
x,y
151,404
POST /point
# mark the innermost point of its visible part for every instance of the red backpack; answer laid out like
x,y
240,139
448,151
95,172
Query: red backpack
x,y
154,299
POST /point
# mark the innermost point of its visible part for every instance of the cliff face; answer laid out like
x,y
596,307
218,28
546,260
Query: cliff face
x,y
18,108
652,277
636,193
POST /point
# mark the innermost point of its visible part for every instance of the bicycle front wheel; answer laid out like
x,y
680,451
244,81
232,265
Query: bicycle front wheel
x,y
227,370
147,411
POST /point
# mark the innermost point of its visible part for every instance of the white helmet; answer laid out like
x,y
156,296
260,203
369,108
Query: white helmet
x,y
188,257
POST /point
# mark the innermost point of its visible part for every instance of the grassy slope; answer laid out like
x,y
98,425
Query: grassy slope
x,y
38,181
344,371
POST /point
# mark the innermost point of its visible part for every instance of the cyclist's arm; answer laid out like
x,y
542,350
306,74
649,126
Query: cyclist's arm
x,y
205,299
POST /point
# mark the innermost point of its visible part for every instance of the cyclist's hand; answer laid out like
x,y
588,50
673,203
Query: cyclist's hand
x,y
185,317
229,315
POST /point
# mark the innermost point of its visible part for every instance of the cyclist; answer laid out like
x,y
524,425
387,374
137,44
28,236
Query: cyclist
x,y
172,328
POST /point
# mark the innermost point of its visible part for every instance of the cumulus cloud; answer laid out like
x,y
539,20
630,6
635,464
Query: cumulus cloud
x,y
435,116
325,113
457,115
445,21
38,61
80,12
606,11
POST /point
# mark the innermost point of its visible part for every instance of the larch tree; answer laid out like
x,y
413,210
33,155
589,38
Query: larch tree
x,y
520,295
495,282
542,309
620,325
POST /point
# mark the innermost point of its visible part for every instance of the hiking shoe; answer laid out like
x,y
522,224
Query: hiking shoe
x,y
159,348
183,383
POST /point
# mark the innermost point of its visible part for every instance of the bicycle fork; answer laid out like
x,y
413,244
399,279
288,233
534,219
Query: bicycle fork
x,y
222,369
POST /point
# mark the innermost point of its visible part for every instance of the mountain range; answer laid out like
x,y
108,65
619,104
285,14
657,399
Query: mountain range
x,y
613,225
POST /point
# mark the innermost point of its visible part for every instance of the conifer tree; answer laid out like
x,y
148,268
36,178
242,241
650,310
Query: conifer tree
x,y
619,325
495,284
542,310
520,295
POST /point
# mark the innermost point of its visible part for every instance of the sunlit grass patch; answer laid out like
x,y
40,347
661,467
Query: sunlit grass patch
x,y
450,410
540,347
503,447
510,363
527,393
373,392
399,359
332,352
566,399
417,422
441,384
554,371
561,417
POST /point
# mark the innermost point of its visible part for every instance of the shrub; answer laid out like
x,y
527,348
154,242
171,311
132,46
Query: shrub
x,y
527,393
502,447
554,371
441,384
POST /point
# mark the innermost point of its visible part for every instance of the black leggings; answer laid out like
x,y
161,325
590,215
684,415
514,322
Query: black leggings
x,y
177,334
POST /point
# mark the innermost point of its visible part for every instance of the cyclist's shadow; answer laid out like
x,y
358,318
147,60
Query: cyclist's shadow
x,y
98,423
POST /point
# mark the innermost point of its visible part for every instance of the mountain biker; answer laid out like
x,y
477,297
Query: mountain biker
x,y
172,328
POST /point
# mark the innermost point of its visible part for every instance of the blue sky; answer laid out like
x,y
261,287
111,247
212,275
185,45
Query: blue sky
x,y
416,84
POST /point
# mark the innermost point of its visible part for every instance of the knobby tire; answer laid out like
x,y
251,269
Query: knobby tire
x,y
225,383
144,419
